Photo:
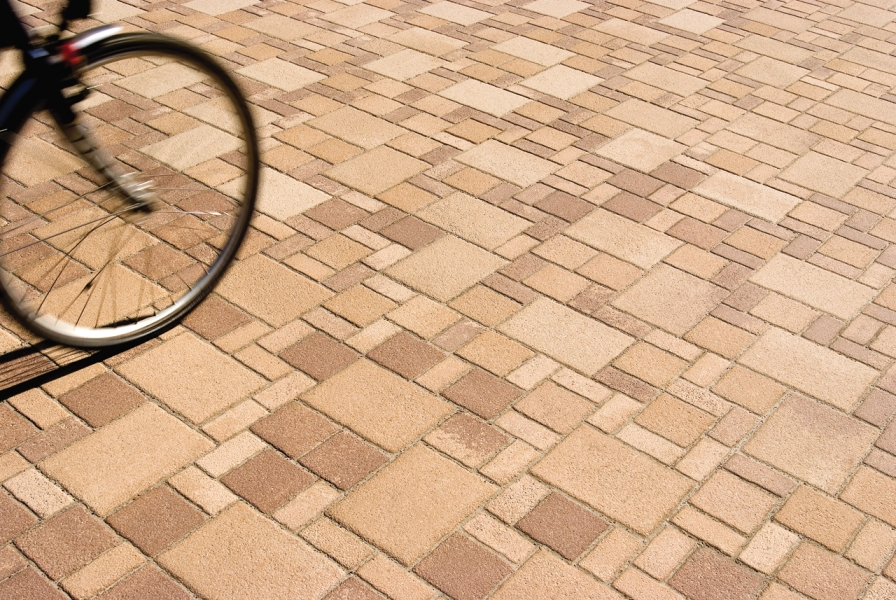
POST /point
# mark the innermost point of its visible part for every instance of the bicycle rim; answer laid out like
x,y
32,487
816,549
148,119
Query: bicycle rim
x,y
81,263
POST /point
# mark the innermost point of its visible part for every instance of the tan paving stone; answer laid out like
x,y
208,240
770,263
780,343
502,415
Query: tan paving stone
x,y
622,238
562,82
640,150
378,405
456,13
357,127
445,268
426,41
614,479
691,21
563,334
241,553
412,503
484,97
464,215
823,174
746,195
652,118
809,367
281,74
377,170
545,576
508,163
122,459
799,439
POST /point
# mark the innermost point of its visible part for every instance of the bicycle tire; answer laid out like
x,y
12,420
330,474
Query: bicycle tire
x,y
82,265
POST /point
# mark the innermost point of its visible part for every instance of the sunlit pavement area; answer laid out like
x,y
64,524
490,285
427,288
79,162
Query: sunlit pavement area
x,y
555,299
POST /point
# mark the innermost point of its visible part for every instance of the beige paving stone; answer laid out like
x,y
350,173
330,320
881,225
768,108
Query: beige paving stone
x,y
192,147
282,197
456,13
377,170
281,27
240,553
378,405
872,492
671,299
640,150
652,118
666,79
219,7
357,15
870,58
778,19
811,441
623,238
482,96
101,573
810,368
774,133
813,285
562,82
565,335
117,462
357,127
691,21
426,41
191,377
423,316
205,492
464,216
614,479
390,578
748,196
533,51
769,548
281,74
412,503
772,72
445,268
404,64
631,31
867,15
508,163
546,576
38,493
556,8
823,174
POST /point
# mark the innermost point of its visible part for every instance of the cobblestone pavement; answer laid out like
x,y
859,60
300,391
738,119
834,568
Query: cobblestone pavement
x,y
551,299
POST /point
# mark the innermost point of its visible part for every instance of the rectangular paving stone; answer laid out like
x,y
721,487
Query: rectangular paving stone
x,y
870,58
671,299
378,405
867,106
623,238
465,216
748,196
813,285
566,335
774,48
652,118
811,368
508,163
117,462
445,268
411,504
620,482
241,554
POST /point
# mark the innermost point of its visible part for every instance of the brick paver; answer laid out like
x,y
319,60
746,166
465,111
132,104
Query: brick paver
x,y
553,299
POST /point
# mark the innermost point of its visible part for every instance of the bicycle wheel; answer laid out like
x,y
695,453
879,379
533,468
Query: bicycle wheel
x,y
91,260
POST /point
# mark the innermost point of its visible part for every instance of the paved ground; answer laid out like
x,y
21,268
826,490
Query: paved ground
x,y
590,300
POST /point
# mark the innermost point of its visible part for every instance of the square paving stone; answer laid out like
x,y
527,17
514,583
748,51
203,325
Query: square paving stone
x,y
568,336
463,569
14,428
357,127
464,216
484,97
267,480
508,163
191,376
357,16
378,405
404,64
707,575
376,171
66,542
563,525
812,441
29,584
241,554
102,400
406,508
445,268
671,299
156,519
294,429
562,82
614,479
281,196
125,457
344,460
406,355
456,13
14,518
426,41
281,74
556,8
270,291
411,232
319,355
641,150
467,439
147,582
533,51
622,238
481,393
546,576
770,71
823,174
